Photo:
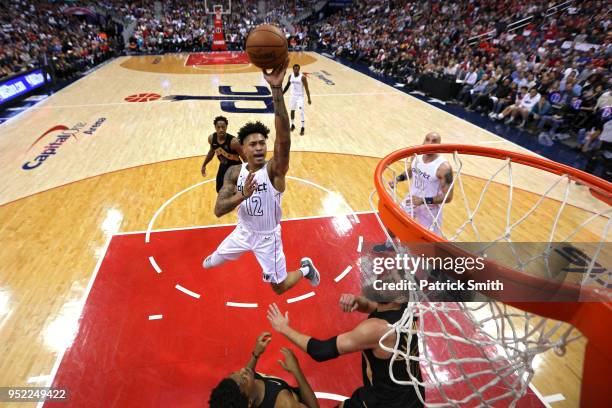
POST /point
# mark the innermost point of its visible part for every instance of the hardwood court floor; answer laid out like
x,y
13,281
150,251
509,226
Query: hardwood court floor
x,y
123,160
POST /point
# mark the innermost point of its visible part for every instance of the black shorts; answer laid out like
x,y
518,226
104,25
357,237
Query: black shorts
x,y
366,397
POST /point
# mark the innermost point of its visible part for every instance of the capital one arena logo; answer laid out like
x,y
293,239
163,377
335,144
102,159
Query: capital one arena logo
x,y
53,139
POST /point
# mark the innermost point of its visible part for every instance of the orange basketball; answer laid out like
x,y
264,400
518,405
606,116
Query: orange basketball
x,y
266,46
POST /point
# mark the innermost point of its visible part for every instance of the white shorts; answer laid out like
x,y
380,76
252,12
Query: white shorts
x,y
423,215
296,102
267,247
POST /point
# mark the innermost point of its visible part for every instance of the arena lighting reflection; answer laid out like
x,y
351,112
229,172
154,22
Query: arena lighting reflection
x,y
60,333
5,310
334,203
112,221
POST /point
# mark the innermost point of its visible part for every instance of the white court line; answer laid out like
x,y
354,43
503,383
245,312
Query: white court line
x,y
539,395
154,264
330,396
343,274
360,244
310,217
39,378
554,398
238,304
187,291
155,317
164,205
60,355
298,298
356,218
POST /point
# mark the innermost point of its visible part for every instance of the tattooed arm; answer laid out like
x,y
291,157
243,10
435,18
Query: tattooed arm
x,y
279,164
229,197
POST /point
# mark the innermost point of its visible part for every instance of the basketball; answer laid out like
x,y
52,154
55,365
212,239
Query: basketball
x,y
266,46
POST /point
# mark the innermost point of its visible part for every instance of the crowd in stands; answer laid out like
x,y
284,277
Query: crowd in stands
x,y
35,32
552,74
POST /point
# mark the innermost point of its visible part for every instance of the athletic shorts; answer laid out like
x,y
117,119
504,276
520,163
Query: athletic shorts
x,y
266,246
423,215
296,102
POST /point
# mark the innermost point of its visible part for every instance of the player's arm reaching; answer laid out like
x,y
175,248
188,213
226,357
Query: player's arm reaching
x,y
363,337
238,148
307,396
279,164
305,83
260,346
209,156
229,197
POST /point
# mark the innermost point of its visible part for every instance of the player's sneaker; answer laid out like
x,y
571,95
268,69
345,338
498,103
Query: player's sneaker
x,y
313,274
302,132
292,127
384,247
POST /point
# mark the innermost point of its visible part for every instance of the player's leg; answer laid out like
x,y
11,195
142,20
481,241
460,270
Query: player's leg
x,y
220,176
302,114
270,255
234,245
292,107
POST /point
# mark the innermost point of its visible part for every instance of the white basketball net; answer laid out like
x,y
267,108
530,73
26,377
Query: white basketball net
x,y
488,348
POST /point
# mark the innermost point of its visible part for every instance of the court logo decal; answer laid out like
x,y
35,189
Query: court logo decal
x,y
258,101
65,133
322,75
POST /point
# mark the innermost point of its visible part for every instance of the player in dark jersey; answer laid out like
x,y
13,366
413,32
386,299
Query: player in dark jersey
x,y
226,147
378,390
246,388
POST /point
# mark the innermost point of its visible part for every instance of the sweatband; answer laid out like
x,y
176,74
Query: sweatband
x,y
322,350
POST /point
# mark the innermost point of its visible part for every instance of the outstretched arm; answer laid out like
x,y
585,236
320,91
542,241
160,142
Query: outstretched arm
x,y
260,346
307,396
279,164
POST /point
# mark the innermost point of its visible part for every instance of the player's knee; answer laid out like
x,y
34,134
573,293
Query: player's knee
x,y
211,261
279,289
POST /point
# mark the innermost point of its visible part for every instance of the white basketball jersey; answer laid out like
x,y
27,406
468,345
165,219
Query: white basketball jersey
x,y
297,87
262,211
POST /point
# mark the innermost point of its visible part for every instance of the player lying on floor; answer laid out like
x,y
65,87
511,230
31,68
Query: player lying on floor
x,y
247,388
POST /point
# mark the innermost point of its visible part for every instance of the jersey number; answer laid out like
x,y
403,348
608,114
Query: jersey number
x,y
253,206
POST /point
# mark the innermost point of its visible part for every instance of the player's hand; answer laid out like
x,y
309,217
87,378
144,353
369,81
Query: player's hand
x,y
262,342
348,302
278,321
416,201
291,363
250,185
309,101
275,78
204,171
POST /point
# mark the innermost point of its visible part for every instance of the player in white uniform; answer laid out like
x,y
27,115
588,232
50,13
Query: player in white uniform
x,y
431,177
299,85
256,188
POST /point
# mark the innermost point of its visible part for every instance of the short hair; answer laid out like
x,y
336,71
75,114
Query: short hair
x,y
296,65
252,127
227,395
220,119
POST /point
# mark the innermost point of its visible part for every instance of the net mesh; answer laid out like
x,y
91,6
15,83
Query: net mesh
x,y
488,347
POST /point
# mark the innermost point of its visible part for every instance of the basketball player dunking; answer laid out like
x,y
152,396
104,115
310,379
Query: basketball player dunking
x,y
256,187
226,147
431,177
299,84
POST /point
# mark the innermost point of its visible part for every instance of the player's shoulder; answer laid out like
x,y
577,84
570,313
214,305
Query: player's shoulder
x,y
286,399
234,171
